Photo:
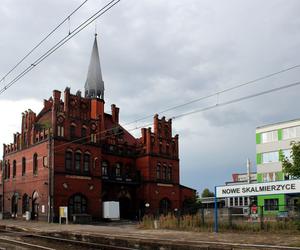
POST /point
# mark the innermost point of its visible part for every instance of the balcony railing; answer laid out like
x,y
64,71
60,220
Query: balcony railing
x,y
133,178
128,151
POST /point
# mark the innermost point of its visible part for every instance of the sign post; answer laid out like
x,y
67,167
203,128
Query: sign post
x,y
216,211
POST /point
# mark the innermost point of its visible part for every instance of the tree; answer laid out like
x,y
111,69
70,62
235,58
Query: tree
x,y
207,193
292,167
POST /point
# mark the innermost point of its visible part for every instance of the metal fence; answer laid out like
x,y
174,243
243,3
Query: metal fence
x,y
254,218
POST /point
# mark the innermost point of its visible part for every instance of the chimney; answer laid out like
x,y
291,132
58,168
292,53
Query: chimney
x,y
56,96
115,113
156,124
66,99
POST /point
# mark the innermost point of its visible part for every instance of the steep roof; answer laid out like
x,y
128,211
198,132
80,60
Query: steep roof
x,y
94,85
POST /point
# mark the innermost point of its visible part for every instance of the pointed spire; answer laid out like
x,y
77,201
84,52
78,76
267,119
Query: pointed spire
x,y
94,85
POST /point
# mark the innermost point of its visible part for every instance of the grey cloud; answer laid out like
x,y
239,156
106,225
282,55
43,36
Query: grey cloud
x,y
157,54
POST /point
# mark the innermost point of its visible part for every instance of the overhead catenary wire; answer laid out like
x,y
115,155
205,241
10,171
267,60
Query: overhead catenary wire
x,y
43,40
238,100
217,105
78,29
219,92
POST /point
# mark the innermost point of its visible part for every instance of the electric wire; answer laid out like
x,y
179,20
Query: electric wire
x,y
238,99
43,40
187,113
78,29
218,93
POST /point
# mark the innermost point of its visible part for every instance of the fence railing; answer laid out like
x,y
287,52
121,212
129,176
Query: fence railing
x,y
253,218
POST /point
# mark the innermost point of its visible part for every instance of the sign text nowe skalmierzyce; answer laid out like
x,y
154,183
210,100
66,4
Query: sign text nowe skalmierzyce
x,y
276,187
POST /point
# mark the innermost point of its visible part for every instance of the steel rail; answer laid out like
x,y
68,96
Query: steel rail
x,y
158,240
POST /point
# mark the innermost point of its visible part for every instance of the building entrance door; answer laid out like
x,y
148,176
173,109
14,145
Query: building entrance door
x,y
125,208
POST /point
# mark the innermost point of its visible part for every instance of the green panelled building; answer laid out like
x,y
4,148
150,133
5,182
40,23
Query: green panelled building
x,y
273,142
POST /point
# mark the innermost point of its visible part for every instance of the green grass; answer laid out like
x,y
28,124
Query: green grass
x,y
194,223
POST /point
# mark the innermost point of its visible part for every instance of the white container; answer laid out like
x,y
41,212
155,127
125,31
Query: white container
x,y
111,210
27,215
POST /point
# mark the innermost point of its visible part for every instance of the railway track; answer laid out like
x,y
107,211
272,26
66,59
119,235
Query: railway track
x,y
47,242
37,241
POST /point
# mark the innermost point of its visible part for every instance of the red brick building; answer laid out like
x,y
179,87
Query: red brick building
x,y
74,154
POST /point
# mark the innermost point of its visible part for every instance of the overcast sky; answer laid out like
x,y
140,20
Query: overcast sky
x,y
157,54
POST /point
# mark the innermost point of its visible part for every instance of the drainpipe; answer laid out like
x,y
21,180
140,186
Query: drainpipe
x,y
50,177
2,180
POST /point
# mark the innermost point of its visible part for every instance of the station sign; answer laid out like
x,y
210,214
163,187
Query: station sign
x,y
266,188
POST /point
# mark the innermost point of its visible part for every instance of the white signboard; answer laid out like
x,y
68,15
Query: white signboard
x,y
276,187
63,213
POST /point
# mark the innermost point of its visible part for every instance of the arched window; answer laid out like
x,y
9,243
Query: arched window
x,y
86,162
158,171
35,164
73,131
118,170
104,168
127,171
164,172
77,161
169,173
14,169
23,166
164,206
68,160
77,204
83,133
167,149
7,170
14,204
25,203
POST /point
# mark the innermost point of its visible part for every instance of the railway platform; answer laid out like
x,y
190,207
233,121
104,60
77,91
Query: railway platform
x,y
128,235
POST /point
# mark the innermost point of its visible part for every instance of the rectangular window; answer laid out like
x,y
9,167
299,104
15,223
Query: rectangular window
x,y
169,174
241,201
236,201
267,177
14,169
118,170
158,172
60,131
69,156
289,133
287,153
72,132
93,138
245,201
231,202
35,164
164,173
86,163
270,157
271,204
23,166
104,168
269,136
77,162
